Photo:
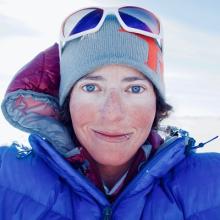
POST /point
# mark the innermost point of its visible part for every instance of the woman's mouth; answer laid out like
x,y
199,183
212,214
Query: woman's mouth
x,y
112,137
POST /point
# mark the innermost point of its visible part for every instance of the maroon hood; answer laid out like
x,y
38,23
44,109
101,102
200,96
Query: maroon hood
x,y
42,74
31,100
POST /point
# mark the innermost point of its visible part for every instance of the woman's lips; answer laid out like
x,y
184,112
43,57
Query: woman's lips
x,y
112,137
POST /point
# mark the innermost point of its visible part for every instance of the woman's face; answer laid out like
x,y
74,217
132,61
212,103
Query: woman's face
x,y
112,111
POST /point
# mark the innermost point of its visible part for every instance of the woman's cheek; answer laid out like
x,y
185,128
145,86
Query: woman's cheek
x,y
82,112
143,116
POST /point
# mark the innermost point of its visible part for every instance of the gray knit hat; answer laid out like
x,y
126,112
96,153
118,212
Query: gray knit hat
x,y
110,45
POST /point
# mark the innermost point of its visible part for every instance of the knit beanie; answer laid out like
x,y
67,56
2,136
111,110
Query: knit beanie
x,y
110,45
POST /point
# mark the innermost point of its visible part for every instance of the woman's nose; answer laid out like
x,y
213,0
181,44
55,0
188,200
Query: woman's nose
x,y
113,108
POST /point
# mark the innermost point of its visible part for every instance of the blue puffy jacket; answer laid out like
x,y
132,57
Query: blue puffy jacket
x,y
171,186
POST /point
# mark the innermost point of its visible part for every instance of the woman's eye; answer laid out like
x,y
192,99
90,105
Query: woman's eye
x,y
136,89
89,88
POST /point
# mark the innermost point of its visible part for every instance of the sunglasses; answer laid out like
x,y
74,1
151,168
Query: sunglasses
x,y
89,20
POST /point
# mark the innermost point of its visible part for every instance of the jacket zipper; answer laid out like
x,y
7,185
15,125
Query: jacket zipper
x,y
107,213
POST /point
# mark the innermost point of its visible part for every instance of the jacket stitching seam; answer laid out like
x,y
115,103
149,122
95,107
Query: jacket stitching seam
x,y
28,196
201,211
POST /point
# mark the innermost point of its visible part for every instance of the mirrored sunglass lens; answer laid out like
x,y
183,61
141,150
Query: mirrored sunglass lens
x,y
141,19
82,21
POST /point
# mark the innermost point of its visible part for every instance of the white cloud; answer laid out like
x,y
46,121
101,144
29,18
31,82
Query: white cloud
x,y
111,3
13,26
192,49
192,69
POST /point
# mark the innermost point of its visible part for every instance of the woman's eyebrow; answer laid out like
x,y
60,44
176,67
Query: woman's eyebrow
x,y
133,78
97,78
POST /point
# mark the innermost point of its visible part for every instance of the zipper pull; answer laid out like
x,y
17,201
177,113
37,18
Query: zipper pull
x,y
107,212
203,144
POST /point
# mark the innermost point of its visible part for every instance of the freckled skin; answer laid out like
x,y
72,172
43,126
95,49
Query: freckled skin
x,y
113,107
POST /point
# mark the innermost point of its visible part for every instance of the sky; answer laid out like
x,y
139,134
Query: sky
x,y
191,51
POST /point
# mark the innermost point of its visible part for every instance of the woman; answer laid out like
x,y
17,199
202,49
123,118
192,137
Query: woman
x,y
96,154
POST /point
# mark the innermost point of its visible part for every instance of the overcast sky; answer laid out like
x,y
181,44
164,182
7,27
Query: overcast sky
x,y
191,35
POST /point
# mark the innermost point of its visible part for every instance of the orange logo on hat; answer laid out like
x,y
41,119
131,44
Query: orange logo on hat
x,y
155,58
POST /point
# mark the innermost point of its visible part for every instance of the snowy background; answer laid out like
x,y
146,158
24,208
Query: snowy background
x,y
192,53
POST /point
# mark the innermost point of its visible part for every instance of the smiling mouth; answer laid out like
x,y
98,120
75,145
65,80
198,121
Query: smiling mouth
x,y
112,137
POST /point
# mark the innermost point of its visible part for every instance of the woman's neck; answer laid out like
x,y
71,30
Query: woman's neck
x,y
111,174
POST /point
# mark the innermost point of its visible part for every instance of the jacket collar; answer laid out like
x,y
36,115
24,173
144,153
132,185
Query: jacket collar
x,y
170,154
